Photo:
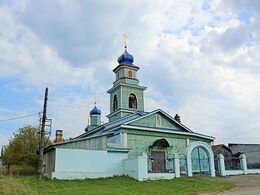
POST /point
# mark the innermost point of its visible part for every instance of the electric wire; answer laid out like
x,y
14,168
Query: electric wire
x,y
62,123
8,128
19,117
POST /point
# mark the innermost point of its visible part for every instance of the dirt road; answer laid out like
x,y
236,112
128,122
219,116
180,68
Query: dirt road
x,y
245,185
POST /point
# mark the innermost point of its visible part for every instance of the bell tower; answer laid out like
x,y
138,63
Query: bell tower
x,y
126,95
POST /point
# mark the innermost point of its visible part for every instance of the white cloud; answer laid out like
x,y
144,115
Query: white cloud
x,y
3,140
24,55
197,58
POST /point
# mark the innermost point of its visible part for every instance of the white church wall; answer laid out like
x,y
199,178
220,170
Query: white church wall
x,y
76,160
79,175
136,168
115,162
82,164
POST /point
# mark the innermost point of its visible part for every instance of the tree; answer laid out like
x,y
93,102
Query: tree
x,y
22,148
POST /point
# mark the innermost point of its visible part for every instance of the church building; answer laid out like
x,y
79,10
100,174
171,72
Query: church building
x,y
143,145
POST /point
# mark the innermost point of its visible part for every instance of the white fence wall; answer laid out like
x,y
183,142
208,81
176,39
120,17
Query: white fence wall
x,y
243,170
136,168
81,164
115,162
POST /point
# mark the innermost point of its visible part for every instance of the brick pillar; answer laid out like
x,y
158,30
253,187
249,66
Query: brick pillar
x,y
177,118
58,137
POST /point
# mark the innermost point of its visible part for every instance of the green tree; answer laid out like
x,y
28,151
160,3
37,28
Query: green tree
x,y
22,148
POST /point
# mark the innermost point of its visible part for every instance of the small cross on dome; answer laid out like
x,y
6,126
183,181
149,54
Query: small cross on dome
x,y
125,40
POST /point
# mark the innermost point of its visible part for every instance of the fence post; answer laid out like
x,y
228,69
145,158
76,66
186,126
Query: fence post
x,y
142,168
212,166
189,165
177,165
221,162
243,163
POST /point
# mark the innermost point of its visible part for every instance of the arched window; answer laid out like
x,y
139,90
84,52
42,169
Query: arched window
x,y
130,74
132,101
115,103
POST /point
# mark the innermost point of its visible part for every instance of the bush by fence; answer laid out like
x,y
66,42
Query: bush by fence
x,y
18,170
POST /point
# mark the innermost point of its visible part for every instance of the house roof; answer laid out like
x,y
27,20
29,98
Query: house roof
x,y
216,147
52,146
243,148
126,122
111,125
235,144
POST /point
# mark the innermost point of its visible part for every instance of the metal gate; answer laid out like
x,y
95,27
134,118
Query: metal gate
x,y
183,165
217,167
200,162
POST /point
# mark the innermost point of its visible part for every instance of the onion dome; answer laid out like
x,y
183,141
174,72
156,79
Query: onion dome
x,y
126,58
95,111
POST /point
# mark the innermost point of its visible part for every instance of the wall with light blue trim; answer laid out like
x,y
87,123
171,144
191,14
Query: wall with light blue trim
x,y
136,168
81,164
80,160
115,162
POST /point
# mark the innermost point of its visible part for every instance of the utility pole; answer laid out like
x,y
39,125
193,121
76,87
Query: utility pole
x,y
42,135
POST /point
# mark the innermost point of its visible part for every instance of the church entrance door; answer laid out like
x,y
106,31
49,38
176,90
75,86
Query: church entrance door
x,y
158,165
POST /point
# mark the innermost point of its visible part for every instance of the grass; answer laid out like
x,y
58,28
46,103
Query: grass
x,y
116,185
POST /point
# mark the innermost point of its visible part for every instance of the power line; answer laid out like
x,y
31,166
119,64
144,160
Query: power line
x,y
62,123
34,124
19,117
6,128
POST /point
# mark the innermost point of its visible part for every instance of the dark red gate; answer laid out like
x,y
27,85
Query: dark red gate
x,y
158,165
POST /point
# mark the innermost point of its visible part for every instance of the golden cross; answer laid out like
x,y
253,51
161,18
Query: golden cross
x,y
125,40
95,99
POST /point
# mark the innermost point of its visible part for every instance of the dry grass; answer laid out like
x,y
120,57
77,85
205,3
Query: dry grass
x,y
9,185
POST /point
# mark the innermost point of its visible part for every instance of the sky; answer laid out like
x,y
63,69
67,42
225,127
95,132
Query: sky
x,y
199,59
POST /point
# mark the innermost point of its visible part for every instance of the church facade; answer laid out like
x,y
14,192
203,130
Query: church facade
x,y
143,145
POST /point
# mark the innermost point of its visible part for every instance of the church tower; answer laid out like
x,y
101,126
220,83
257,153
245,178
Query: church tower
x,y
95,118
126,95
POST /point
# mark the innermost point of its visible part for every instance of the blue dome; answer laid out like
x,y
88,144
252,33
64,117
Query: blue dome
x,y
95,111
126,58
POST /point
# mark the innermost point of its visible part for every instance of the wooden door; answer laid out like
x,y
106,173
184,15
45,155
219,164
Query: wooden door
x,y
158,165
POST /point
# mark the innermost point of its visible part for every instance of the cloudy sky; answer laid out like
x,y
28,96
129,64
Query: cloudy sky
x,y
199,59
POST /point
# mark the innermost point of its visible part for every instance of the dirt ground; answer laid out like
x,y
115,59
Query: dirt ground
x,y
245,185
